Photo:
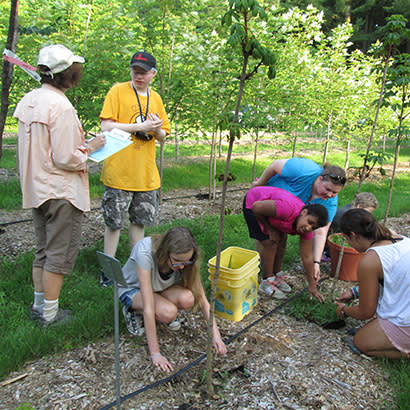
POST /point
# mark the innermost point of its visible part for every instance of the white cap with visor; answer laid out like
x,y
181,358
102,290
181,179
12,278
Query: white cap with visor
x,y
57,58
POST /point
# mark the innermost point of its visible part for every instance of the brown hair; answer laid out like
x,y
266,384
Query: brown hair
x,y
68,78
334,174
180,240
362,222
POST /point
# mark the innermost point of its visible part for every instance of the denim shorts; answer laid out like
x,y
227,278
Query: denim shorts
x,y
126,298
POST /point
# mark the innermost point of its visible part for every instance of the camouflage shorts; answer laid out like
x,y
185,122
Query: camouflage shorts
x,y
141,206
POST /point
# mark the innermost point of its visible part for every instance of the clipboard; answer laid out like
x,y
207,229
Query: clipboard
x,y
116,140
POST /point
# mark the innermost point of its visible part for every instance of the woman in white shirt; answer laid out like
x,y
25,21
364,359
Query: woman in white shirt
x,y
384,283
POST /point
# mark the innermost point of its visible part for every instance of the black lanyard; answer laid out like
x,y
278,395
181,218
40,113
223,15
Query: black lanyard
x,y
139,103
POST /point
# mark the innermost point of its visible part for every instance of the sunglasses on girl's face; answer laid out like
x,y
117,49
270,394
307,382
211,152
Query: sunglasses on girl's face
x,y
175,263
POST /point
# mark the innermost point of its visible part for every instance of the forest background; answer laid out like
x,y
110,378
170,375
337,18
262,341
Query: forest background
x,y
325,73
324,81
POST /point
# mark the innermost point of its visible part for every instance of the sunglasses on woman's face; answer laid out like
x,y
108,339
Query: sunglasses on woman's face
x,y
175,263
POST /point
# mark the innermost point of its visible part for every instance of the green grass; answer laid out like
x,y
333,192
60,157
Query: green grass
x,y
10,194
96,187
195,174
8,159
92,307
191,173
380,189
304,308
187,174
22,340
399,372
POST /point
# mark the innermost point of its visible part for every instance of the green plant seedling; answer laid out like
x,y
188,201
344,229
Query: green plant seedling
x,y
25,406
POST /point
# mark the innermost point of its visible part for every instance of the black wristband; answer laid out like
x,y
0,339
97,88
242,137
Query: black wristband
x,y
316,262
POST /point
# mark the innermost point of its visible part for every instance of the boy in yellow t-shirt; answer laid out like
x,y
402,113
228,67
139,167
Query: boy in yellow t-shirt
x,y
131,177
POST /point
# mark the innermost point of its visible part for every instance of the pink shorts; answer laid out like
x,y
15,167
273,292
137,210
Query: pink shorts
x,y
399,336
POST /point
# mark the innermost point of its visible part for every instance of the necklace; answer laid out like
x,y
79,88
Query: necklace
x,y
141,118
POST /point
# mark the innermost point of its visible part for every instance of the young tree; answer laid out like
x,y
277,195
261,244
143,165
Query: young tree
x,y
391,36
398,98
241,38
7,73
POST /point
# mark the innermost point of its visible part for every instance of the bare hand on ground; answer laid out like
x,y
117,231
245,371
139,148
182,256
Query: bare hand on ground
x,y
219,345
313,292
161,363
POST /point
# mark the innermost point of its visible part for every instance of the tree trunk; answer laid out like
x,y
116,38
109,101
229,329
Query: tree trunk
x,y
396,160
379,103
211,168
396,154
295,137
162,144
86,27
214,180
176,143
347,161
255,154
329,130
209,363
161,169
220,144
170,66
7,73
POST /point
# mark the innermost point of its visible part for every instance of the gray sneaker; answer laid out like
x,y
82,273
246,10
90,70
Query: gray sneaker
x,y
34,314
134,321
349,342
174,325
105,281
268,288
62,316
280,283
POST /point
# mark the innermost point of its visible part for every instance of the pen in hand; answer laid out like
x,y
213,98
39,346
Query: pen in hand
x,y
96,142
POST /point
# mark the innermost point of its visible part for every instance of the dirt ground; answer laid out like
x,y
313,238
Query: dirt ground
x,y
276,362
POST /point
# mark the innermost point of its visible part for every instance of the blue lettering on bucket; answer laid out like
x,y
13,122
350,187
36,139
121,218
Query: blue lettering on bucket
x,y
245,307
219,306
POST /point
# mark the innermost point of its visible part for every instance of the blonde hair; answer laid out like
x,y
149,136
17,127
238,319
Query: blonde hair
x,y
180,240
365,200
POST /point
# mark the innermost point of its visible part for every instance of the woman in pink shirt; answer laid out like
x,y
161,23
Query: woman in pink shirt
x,y
52,159
272,213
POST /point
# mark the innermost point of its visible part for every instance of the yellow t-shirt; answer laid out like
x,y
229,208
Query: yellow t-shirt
x,y
134,167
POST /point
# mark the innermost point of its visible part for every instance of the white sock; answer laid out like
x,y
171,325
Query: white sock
x,y
50,309
38,303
